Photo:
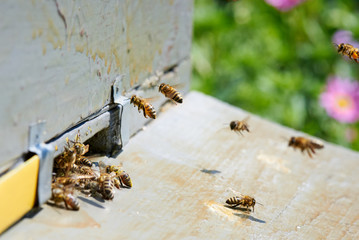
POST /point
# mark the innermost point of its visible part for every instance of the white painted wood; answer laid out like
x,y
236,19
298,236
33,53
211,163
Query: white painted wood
x,y
58,59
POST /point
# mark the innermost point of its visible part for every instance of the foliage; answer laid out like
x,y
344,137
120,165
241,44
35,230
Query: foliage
x,y
275,64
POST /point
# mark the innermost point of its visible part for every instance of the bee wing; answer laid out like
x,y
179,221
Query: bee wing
x,y
83,176
317,144
112,174
241,194
246,119
96,174
102,167
151,99
148,99
177,85
70,188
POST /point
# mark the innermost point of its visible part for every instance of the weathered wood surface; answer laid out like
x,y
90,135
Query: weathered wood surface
x,y
187,163
58,59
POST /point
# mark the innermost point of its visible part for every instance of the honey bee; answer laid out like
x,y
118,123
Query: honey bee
x,y
61,193
141,103
170,92
304,144
124,178
64,162
80,148
107,181
349,50
239,126
245,201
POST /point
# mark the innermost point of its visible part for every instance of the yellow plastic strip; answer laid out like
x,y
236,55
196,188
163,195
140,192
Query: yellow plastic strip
x,y
18,192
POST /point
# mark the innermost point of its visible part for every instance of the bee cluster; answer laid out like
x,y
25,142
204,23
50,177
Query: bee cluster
x,y
75,172
148,110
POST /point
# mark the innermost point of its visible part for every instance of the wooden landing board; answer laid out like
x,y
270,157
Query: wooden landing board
x,y
185,164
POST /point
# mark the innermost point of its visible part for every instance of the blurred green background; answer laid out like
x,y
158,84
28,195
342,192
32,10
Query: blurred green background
x,y
275,64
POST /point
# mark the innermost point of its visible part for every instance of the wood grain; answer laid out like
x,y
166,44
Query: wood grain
x,y
186,163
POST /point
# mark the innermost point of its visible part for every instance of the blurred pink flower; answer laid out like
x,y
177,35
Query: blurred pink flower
x,y
341,99
342,36
284,5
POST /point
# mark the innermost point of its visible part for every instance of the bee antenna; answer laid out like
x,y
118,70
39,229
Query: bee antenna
x,y
260,203
335,44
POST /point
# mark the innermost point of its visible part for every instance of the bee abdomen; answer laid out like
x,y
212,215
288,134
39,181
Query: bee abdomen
x,y
108,191
233,200
177,97
150,111
126,180
73,202
84,161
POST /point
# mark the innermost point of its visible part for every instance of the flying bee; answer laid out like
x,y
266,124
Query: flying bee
x,y
348,50
170,92
239,126
244,200
147,108
305,144
61,193
124,178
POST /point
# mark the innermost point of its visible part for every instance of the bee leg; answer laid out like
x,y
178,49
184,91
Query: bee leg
x,y
238,132
67,207
253,208
312,148
310,155
144,112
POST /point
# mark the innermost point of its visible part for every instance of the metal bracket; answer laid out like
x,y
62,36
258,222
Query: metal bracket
x,y
46,155
124,103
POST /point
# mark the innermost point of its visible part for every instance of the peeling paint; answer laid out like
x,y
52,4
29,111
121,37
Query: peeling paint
x,y
79,48
43,49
